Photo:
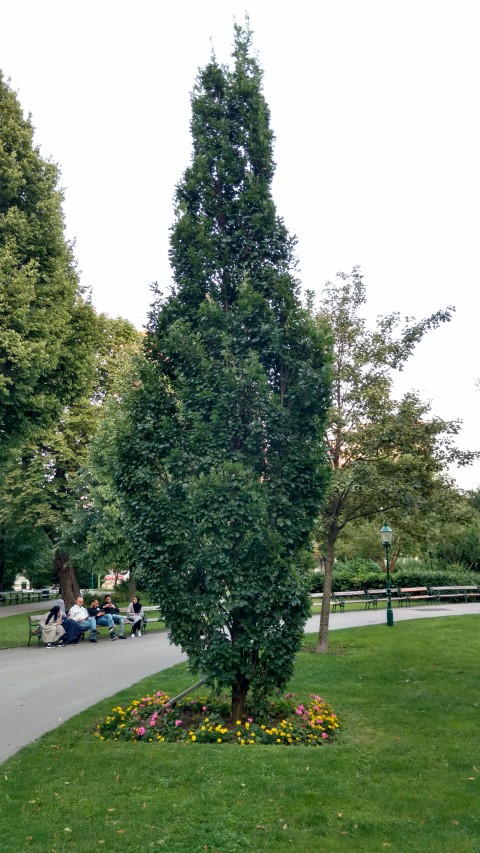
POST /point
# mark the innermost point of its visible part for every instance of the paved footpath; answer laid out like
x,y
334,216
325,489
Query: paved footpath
x,y
41,687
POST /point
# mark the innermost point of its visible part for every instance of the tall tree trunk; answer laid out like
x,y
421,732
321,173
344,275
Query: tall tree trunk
x,y
69,588
322,645
239,697
132,586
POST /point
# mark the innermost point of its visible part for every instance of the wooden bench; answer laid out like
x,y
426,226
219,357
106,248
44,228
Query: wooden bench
x,y
376,595
34,627
11,597
449,592
350,596
151,613
407,594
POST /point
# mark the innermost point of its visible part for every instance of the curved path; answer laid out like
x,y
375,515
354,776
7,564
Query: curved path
x,y
41,687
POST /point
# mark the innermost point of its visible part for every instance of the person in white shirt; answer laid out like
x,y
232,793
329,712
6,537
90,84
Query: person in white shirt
x,y
79,614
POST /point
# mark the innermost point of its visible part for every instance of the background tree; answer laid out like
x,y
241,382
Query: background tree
x,y
39,483
458,540
387,458
93,533
220,458
42,357
46,361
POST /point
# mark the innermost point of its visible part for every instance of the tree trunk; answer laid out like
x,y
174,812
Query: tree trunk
x,y
239,698
69,588
322,645
132,587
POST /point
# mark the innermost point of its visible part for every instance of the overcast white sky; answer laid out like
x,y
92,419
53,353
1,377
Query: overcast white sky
x,y
374,104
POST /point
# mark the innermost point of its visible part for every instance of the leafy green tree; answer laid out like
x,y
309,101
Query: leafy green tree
x,y
220,455
39,485
94,534
43,362
388,458
458,539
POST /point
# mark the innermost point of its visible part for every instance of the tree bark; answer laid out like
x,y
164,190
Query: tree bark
x,y
69,588
239,698
322,645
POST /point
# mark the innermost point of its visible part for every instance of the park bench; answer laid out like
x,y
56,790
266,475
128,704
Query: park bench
x,y
407,594
350,596
11,597
376,595
34,627
151,613
463,593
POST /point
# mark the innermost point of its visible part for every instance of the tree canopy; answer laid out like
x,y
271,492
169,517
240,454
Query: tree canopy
x,y
45,360
225,420
388,458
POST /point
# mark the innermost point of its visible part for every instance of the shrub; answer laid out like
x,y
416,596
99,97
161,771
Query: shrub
x,y
406,573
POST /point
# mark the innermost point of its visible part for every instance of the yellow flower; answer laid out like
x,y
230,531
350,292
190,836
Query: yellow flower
x,y
194,737
238,723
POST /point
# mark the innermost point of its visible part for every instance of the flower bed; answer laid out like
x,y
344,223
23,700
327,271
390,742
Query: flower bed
x,y
284,722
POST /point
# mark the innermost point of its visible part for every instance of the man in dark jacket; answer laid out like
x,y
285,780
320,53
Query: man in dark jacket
x,y
102,618
112,610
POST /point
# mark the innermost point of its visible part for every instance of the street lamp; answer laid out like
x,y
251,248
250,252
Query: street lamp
x,y
386,534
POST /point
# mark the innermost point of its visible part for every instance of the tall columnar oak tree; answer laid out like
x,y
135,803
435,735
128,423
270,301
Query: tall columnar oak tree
x,y
220,451
387,458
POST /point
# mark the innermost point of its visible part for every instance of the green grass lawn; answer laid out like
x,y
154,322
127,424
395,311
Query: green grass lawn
x,y
404,775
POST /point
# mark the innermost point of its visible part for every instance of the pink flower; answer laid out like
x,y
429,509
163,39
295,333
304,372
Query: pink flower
x,y
324,735
141,730
250,719
178,722
204,708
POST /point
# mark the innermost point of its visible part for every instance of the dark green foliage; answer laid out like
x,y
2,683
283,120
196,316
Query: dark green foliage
x,y
44,362
412,574
226,418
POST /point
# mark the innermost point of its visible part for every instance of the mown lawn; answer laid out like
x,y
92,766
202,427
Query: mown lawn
x,y
404,775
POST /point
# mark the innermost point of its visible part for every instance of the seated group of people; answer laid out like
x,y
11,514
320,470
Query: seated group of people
x,y
60,628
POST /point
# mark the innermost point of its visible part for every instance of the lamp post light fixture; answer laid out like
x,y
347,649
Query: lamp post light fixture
x,y
386,535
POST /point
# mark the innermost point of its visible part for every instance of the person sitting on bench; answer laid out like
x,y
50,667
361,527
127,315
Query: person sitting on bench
x,y
102,618
110,609
135,616
80,615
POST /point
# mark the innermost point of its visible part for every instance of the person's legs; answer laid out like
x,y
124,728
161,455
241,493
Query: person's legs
x,y
108,621
85,624
119,620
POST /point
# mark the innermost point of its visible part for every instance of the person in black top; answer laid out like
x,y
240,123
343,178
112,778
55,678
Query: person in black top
x,y
102,618
110,609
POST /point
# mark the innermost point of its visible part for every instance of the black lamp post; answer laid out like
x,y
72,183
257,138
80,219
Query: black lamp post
x,y
386,534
